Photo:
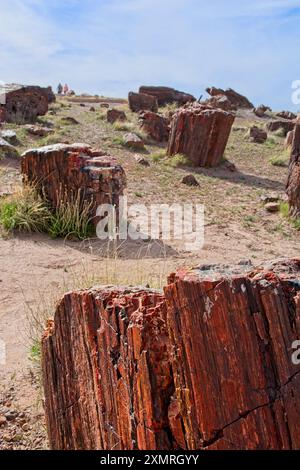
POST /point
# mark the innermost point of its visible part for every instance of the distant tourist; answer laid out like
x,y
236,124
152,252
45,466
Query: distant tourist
x,y
59,89
66,89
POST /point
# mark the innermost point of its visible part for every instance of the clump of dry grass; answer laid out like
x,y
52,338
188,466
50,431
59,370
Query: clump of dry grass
x,y
24,211
71,218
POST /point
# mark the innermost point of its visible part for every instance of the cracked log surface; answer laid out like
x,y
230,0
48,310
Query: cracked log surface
x,y
207,364
201,133
64,171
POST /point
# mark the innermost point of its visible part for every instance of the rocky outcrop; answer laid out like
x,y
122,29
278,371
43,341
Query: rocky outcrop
x,y
201,133
155,125
236,99
165,95
24,103
256,135
65,171
141,101
206,365
114,115
283,124
293,182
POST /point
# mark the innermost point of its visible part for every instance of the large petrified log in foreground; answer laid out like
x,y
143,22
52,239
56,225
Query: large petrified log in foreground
x,y
21,103
64,172
293,183
107,374
201,133
208,365
167,95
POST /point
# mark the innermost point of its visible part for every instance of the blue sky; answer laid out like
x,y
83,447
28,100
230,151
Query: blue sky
x,y
110,47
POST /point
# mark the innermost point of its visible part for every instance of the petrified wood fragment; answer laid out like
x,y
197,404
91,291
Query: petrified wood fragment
x,y
283,124
208,365
68,170
141,101
155,125
201,133
21,103
165,95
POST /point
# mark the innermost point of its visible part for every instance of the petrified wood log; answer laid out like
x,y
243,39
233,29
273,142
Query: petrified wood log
x,y
293,182
65,171
284,124
236,99
107,374
155,125
201,133
208,365
141,101
24,103
165,95
114,115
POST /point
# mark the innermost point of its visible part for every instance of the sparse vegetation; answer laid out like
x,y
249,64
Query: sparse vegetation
x,y
284,210
281,159
25,211
71,219
178,160
124,126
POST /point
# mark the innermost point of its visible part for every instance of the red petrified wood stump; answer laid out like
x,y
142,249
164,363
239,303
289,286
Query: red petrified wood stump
x,y
293,183
208,365
201,133
64,171
107,373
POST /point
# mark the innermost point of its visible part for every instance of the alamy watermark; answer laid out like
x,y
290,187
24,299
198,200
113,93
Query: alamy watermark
x,y
164,222
296,353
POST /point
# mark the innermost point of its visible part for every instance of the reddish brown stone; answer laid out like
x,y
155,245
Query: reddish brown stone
x,y
155,125
201,133
207,366
107,375
24,103
231,334
165,95
221,102
287,115
71,169
236,99
261,110
140,101
257,135
293,183
114,115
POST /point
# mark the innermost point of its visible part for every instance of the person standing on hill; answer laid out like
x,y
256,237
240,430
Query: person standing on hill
x,y
66,89
59,89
